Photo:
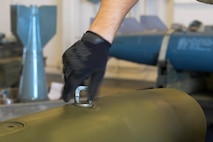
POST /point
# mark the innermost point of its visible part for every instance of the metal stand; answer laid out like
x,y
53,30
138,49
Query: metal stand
x,y
186,81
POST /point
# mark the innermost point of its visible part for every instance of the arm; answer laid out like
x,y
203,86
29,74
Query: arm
x,y
110,16
87,58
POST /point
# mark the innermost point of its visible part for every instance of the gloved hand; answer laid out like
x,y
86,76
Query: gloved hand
x,y
85,59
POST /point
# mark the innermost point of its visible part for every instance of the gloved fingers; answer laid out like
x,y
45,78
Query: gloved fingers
x,y
71,83
66,69
67,93
93,87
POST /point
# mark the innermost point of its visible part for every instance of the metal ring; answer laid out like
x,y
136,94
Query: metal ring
x,y
78,97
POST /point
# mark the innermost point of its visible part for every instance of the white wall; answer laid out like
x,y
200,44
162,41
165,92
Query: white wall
x,y
76,19
53,49
5,17
186,12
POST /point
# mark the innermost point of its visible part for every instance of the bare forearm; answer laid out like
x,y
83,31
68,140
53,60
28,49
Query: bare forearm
x,y
110,16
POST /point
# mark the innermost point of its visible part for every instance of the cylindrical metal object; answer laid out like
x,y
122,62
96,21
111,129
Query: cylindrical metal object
x,y
191,51
33,79
155,115
139,48
186,51
30,26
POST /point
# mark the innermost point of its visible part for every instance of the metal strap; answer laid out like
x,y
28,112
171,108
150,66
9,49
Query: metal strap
x,y
164,47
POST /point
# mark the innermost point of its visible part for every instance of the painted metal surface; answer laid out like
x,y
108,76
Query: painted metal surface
x,y
186,50
34,26
139,48
155,115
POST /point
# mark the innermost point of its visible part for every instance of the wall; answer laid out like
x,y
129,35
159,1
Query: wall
x,y
186,12
53,49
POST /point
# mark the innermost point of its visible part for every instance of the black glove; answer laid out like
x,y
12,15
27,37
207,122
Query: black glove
x,y
86,59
